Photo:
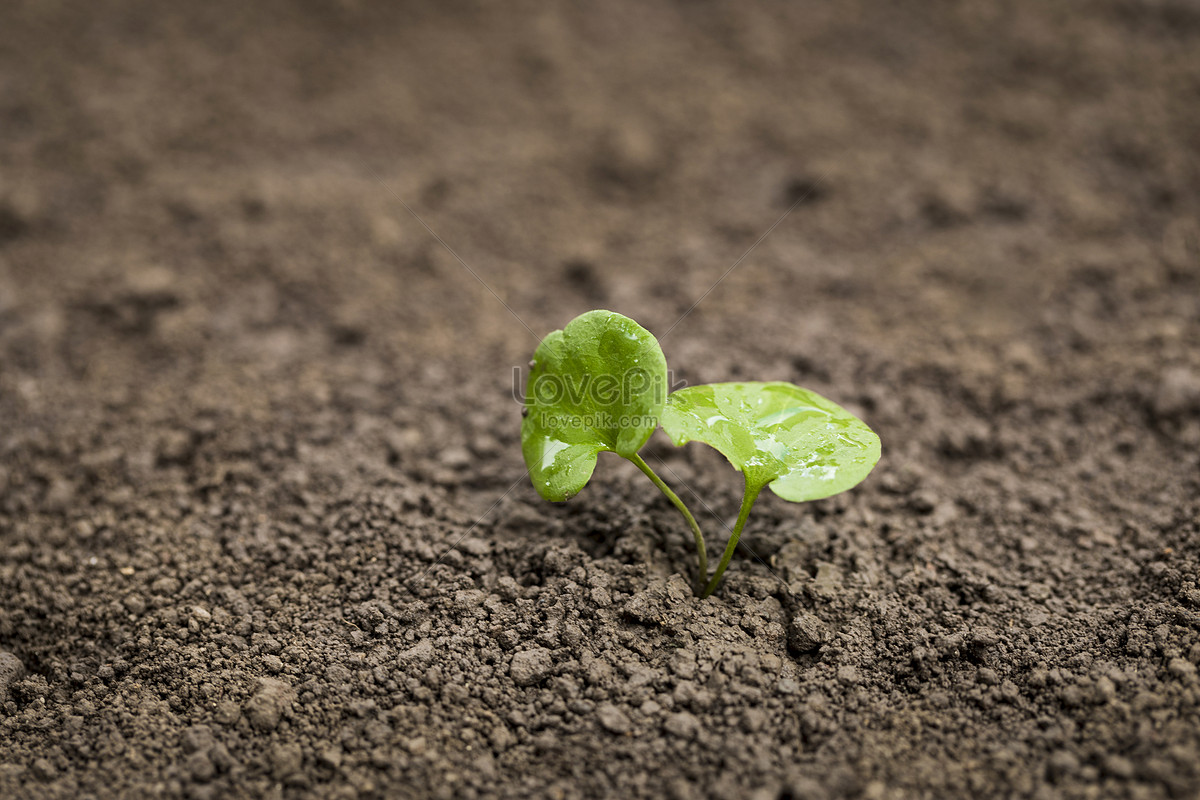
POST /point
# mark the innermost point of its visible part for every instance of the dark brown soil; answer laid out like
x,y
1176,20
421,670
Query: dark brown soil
x,y
264,529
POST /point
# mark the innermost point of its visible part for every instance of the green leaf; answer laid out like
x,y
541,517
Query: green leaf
x,y
598,384
804,446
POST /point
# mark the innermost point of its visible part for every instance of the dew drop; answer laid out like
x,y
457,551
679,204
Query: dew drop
x,y
550,451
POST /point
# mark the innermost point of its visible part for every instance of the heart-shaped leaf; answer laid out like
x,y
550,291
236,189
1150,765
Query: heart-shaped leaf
x,y
598,384
802,445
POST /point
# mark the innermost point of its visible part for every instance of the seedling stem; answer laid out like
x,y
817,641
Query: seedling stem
x,y
748,498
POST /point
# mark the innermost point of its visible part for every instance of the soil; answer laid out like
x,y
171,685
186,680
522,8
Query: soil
x,y
264,524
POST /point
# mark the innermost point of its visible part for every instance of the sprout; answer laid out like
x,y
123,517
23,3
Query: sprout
x,y
600,384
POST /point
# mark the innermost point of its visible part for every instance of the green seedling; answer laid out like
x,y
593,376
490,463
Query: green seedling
x,y
600,384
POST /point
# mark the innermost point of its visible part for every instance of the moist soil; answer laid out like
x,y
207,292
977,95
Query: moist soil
x,y
264,525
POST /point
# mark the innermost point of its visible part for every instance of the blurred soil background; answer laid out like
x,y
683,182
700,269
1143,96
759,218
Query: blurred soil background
x,y
264,525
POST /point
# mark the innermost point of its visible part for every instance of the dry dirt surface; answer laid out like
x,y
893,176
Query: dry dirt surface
x,y
264,524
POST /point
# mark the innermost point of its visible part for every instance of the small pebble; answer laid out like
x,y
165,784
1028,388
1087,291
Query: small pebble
x,y
1118,767
455,458
828,582
612,719
806,633
11,670
200,766
501,738
530,666
267,704
1181,668
227,712
330,756
134,604
1178,393
1061,764
683,725
196,738
286,760
44,770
